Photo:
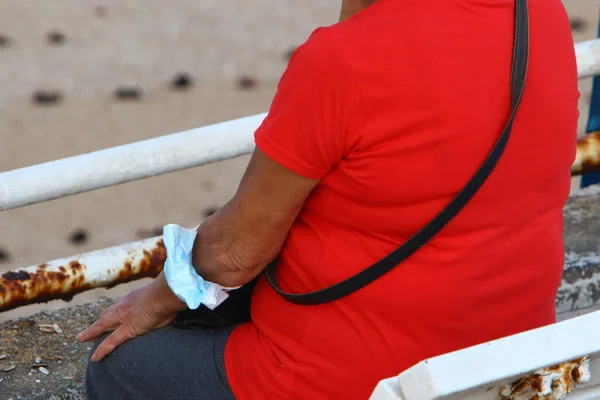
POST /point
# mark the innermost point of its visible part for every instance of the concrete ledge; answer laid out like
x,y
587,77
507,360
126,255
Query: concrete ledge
x,y
580,286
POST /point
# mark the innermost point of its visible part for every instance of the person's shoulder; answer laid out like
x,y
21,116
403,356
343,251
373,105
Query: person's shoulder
x,y
318,50
319,60
354,37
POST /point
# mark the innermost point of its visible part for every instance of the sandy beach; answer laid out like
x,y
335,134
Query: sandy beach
x,y
142,45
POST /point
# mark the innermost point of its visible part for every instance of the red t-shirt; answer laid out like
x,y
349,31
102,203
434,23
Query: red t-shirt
x,y
394,110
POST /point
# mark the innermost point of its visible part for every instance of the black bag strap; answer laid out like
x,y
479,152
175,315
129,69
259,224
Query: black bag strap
x,y
365,277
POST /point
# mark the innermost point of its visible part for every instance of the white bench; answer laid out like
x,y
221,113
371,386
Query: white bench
x,y
549,362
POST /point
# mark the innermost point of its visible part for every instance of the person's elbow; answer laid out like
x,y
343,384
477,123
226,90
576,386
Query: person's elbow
x,y
236,278
239,268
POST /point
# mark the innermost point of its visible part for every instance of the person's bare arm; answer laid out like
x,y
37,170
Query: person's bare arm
x,y
232,247
235,244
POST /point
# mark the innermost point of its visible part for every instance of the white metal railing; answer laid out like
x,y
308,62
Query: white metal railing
x,y
546,363
164,154
483,372
127,163
588,58
55,179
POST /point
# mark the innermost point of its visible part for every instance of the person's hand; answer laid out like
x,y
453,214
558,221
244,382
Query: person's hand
x,y
142,310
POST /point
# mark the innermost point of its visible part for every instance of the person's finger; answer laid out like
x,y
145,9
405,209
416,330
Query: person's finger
x,y
117,338
108,321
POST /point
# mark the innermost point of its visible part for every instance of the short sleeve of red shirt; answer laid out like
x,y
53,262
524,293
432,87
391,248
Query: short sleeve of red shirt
x,y
316,115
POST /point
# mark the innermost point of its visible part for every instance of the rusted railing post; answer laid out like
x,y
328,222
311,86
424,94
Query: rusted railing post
x,y
62,279
588,154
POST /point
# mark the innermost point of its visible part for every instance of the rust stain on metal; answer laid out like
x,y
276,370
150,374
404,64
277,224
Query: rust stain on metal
x,y
588,154
19,288
552,383
149,266
75,267
16,276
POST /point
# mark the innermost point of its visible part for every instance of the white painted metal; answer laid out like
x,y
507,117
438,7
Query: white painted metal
x,y
164,154
480,372
588,58
388,389
126,163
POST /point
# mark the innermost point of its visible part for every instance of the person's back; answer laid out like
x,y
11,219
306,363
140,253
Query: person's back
x,y
408,98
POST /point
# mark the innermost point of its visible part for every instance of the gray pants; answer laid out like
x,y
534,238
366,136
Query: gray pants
x,y
167,363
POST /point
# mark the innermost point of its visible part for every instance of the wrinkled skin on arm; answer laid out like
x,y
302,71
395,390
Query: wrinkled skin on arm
x,y
234,245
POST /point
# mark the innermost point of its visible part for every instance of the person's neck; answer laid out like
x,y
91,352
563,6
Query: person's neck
x,y
351,7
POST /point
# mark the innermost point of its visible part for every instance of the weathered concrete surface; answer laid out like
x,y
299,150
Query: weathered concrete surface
x,y
581,279
63,356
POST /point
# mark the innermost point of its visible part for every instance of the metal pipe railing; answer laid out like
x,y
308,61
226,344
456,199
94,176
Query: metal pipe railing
x,y
588,58
127,163
588,154
62,279
164,154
